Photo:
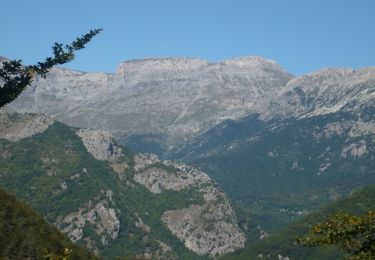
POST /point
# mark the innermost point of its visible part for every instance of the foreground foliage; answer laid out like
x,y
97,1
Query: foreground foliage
x,y
14,77
353,234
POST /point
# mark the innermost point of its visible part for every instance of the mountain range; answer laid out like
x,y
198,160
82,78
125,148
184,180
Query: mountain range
x,y
156,105
278,145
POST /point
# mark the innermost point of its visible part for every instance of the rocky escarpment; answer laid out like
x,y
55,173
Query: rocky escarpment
x,y
208,228
159,105
100,216
159,101
158,179
15,127
100,144
324,92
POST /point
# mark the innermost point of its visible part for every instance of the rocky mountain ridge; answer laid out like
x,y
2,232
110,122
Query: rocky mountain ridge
x,y
323,92
162,102
312,144
160,105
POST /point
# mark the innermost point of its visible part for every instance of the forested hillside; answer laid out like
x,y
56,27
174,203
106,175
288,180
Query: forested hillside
x,y
25,234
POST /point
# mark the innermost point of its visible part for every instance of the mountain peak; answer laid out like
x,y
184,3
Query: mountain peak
x,y
332,74
161,64
190,64
245,60
175,97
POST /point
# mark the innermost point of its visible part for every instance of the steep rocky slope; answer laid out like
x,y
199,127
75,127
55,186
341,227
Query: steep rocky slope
x,y
114,201
282,172
323,92
156,104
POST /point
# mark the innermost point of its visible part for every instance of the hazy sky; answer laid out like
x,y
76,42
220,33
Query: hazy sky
x,y
301,35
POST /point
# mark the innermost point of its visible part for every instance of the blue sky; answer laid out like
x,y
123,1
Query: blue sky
x,y
301,35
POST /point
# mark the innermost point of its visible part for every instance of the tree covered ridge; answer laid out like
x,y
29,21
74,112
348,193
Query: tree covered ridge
x,y
14,77
25,234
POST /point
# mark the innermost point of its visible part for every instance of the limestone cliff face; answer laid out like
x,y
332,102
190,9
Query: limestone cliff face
x,y
100,144
163,104
176,98
102,217
157,179
16,127
324,92
208,228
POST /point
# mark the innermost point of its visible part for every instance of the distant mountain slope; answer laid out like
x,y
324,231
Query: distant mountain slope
x,y
110,199
287,170
283,242
25,234
156,104
313,148
324,92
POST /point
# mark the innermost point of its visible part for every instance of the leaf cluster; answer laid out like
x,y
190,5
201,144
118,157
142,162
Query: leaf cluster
x,y
354,234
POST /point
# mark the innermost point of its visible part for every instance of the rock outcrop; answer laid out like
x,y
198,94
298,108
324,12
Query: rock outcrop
x,y
208,228
16,127
100,216
100,144
157,179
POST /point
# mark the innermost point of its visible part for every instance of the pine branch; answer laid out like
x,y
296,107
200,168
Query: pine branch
x,y
14,77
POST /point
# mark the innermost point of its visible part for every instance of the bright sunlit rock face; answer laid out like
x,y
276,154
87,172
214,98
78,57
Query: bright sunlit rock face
x,y
177,98
323,92
170,101
20,127
207,228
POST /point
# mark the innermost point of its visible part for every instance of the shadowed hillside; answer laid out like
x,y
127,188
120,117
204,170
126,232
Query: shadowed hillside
x,y
25,234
